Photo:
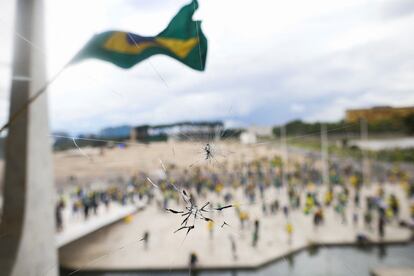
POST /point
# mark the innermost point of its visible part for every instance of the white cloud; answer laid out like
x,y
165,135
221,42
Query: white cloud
x,y
297,108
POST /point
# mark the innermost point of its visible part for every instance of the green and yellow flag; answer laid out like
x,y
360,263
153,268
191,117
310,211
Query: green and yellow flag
x,y
182,40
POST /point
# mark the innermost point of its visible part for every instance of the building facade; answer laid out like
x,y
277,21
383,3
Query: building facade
x,y
179,131
378,114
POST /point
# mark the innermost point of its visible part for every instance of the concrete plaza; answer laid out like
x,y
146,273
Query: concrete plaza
x,y
118,247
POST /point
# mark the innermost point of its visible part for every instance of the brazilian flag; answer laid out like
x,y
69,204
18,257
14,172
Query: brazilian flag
x,y
182,40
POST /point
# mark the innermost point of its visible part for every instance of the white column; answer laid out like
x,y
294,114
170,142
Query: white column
x,y
28,213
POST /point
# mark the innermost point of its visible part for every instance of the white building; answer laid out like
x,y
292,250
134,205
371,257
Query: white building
x,y
248,138
261,131
252,133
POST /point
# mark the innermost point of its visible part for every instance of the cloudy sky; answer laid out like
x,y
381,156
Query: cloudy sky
x,y
269,61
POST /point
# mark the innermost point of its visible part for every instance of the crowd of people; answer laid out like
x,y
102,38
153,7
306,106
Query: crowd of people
x,y
84,202
242,184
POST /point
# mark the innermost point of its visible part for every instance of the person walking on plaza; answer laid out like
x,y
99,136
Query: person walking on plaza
x,y
86,205
243,217
381,223
394,205
355,218
286,211
357,198
105,199
256,233
58,214
368,219
210,227
193,262
233,247
76,205
146,239
94,202
328,197
340,208
289,231
317,217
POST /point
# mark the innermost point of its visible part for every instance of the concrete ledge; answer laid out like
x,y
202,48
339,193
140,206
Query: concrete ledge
x,y
75,231
294,251
387,271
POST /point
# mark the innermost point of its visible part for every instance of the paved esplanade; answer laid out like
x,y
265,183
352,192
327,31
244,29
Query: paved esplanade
x,y
119,246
